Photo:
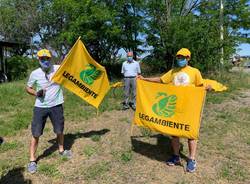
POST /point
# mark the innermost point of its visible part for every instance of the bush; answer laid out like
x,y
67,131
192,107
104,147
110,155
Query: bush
x,y
17,67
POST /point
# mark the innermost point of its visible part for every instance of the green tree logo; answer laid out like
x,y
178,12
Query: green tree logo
x,y
165,106
90,74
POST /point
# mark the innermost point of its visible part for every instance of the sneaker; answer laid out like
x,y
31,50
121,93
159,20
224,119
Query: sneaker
x,y
66,153
133,107
191,165
32,167
125,107
174,160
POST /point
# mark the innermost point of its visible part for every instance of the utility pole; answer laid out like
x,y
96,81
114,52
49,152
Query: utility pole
x,y
221,31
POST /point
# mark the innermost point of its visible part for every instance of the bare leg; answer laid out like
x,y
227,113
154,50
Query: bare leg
x,y
176,145
33,148
192,146
60,140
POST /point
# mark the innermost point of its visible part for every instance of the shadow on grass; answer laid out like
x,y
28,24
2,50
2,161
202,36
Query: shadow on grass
x,y
161,151
69,140
15,176
1,140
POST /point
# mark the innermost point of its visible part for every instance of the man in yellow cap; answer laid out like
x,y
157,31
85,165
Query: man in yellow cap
x,y
181,75
49,100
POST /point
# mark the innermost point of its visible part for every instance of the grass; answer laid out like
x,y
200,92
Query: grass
x,y
233,171
145,132
48,170
234,82
16,107
96,170
95,138
223,150
126,120
126,156
9,146
89,150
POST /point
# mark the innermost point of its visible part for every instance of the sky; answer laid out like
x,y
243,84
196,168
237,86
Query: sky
x,y
244,49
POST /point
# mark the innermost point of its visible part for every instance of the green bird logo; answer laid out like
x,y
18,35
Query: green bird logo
x,y
165,107
90,74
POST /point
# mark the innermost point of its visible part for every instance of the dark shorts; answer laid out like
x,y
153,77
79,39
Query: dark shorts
x,y
40,116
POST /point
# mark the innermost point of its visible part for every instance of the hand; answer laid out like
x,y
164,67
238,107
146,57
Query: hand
x,y
40,93
139,77
209,88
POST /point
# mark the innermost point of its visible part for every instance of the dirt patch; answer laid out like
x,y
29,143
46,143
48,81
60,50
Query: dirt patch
x,y
104,151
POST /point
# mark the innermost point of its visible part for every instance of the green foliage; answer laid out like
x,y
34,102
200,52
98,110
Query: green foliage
x,y
233,171
17,67
18,19
14,116
48,170
8,146
108,26
89,150
146,132
95,138
174,26
126,156
96,170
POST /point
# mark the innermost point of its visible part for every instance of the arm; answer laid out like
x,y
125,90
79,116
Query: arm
x,y
200,82
152,79
31,91
122,71
139,69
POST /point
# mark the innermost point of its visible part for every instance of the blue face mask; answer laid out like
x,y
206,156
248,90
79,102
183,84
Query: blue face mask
x,y
45,65
181,62
130,59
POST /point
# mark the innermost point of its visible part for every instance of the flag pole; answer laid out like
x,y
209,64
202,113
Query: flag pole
x,y
132,128
97,112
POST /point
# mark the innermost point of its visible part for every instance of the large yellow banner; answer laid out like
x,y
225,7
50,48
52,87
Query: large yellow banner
x,y
82,75
169,109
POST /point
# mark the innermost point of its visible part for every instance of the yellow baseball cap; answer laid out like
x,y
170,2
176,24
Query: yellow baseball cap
x,y
184,52
44,53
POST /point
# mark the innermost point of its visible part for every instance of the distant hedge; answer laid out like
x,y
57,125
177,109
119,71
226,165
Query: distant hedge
x,y
17,67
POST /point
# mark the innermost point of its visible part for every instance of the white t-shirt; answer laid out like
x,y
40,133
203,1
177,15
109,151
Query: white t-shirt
x,y
53,94
130,69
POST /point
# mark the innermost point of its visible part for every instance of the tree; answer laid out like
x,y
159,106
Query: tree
x,y
18,19
195,25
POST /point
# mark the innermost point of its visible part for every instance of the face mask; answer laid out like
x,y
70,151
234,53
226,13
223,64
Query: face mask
x,y
45,65
181,62
130,59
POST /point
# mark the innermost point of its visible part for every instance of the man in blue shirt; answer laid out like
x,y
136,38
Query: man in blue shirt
x,y
130,70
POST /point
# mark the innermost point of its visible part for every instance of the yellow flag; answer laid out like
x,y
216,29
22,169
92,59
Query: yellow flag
x,y
169,109
82,75
216,86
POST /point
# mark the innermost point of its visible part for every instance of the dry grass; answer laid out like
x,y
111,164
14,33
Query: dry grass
x,y
104,151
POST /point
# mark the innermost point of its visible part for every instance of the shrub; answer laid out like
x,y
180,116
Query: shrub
x,y
17,67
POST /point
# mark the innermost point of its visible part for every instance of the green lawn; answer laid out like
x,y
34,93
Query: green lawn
x,y
105,153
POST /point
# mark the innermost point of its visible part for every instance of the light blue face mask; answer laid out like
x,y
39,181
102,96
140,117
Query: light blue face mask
x,y
130,59
181,62
45,65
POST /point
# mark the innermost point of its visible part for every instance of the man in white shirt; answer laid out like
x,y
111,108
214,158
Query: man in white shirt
x,y
49,100
130,70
